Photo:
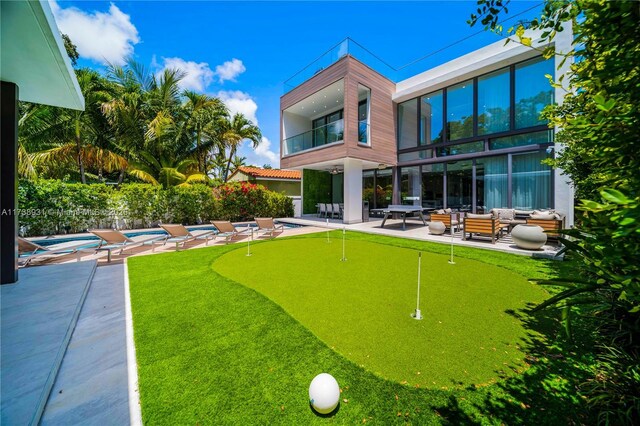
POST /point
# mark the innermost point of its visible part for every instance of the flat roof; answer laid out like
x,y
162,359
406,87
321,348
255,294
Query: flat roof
x,y
33,55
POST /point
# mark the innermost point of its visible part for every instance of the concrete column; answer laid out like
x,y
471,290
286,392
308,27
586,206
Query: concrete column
x,y
563,194
395,179
8,183
352,191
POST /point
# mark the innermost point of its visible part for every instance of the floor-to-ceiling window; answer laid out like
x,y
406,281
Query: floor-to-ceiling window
x,y
460,185
431,120
328,129
533,91
384,188
408,124
460,111
433,186
492,184
410,183
494,102
531,181
368,186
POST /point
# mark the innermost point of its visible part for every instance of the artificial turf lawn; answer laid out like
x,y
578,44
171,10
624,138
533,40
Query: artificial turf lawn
x,y
212,351
361,307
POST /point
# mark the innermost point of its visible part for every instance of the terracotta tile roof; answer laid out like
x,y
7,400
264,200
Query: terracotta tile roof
x,y
271,173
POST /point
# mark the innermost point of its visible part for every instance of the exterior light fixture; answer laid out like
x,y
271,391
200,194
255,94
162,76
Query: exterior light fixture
x,y
382,166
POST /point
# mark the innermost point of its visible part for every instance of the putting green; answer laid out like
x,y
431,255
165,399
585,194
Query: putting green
x,y
361,308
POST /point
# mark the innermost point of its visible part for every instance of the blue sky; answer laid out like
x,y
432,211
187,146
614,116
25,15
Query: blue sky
x,y
244,51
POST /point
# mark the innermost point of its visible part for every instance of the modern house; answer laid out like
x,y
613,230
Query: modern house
x,y
465,135
283,181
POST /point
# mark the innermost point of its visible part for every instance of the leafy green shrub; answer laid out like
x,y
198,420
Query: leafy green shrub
x,y
49,207
140,204
190,204
52,207
241,201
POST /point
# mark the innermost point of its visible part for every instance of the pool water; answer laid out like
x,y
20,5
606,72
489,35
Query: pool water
x,y
92,240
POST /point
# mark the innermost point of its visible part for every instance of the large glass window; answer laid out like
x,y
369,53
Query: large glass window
x,y
460,110
545,136
533,91
410,186
460,185
364,95
463,148
492,185
493,102
368,188
433,186
408,124
328,129
416,155
384,188
530,181
431,109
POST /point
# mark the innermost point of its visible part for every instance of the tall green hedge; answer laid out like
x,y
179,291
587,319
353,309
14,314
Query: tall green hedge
x,y
316,187
49,207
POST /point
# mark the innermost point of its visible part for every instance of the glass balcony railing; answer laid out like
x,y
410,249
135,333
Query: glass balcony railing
x,y
329,133
363,132
333,55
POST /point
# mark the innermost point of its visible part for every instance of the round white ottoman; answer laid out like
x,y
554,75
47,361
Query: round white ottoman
x,y
529,237
436,228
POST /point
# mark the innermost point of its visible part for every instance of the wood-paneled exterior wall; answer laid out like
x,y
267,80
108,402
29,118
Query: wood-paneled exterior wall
x,y
382,133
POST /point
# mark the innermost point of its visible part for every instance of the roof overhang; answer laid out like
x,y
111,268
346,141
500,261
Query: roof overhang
x,y
33,55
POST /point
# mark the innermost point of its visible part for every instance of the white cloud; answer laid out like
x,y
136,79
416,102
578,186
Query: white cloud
x,y
104,37
197,75
263,150
230,70
241,102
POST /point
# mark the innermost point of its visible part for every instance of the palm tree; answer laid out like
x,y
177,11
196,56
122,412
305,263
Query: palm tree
x,y
233,131
68,137
166,171
202,113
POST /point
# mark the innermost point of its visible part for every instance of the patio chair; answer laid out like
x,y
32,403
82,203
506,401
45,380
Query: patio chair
x,y
323,209
111,240
28,250
178,234
228,231
337,211
450,220
268,226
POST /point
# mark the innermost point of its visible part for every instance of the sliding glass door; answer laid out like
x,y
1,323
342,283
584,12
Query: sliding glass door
x,y
460,185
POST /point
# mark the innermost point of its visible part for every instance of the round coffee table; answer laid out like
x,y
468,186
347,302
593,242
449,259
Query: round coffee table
x,y
529,237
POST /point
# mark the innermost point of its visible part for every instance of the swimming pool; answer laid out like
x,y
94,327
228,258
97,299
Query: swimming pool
x,y
92,240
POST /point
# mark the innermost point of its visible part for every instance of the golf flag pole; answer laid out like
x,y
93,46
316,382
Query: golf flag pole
x,y
451,262
344,231
418,315
328,240
249,243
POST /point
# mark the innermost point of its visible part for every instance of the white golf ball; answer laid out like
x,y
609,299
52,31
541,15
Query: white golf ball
x,y
324,393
